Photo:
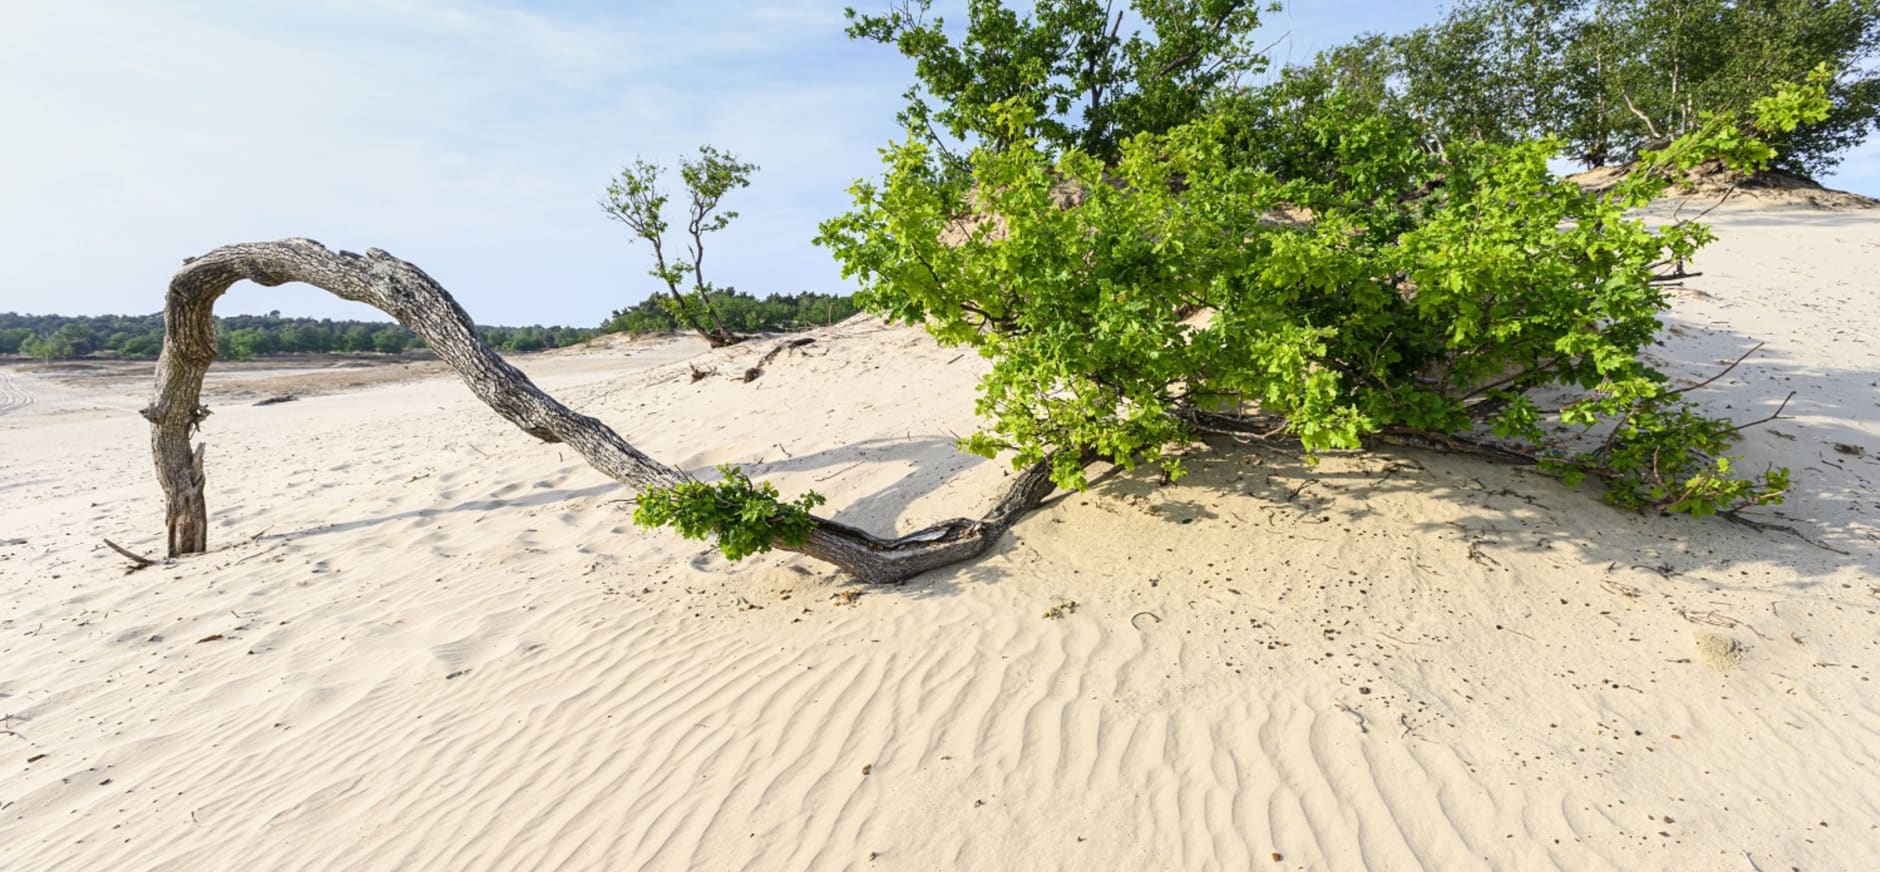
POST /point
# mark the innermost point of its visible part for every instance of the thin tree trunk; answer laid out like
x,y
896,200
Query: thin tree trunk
x,y
406,293
719,337
682,313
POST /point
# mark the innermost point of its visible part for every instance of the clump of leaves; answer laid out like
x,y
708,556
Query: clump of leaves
x,y
1083,80
1302,256
744,517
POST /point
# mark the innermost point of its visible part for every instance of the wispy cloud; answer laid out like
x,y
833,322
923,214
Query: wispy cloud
x,y
472,139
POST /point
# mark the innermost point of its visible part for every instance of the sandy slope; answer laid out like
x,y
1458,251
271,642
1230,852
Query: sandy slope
x,y
426,641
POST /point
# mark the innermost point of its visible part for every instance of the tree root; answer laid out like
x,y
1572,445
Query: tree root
x,y
752,374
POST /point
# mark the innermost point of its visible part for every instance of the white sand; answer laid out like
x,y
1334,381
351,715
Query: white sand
x,y
424,640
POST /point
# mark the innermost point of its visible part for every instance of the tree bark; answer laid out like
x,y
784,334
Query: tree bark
x,y
873,559
406,293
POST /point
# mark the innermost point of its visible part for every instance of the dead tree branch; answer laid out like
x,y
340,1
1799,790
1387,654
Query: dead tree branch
x,y
406,293
138,561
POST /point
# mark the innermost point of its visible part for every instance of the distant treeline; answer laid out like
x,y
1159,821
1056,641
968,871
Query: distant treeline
x,y
740,312
238,337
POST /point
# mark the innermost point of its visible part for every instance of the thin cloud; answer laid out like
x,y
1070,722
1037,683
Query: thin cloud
x,y
470,138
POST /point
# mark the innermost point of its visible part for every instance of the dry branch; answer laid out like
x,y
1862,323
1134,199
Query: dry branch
x,y
138,561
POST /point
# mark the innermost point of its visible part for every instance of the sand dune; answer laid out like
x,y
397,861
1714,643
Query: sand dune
x,y
424,640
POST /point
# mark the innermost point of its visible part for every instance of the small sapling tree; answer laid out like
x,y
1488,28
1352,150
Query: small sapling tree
x,y
635,199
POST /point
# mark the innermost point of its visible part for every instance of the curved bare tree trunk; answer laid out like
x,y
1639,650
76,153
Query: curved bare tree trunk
x,y
406,293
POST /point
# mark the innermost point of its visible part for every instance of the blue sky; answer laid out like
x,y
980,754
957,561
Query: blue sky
x,y
471,138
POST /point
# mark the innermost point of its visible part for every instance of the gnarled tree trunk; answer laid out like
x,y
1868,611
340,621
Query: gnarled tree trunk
x,y
406,293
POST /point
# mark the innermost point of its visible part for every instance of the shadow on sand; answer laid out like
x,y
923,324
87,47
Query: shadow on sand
x,y
1825,437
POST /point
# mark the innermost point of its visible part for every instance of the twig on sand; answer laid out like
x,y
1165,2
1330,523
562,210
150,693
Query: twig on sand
x,y
839,471
1713,617
1620,588
138,561
1721,373
1718,619
1354,713
1736,517
1478,555
1776,415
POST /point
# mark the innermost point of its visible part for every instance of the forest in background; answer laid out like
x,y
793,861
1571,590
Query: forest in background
x,y
1611,78
776,313
241,337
